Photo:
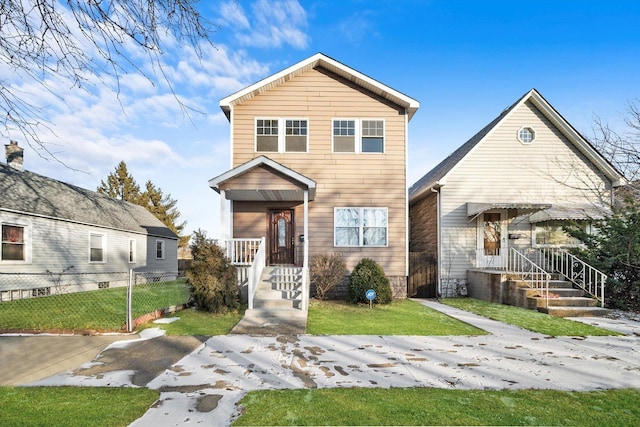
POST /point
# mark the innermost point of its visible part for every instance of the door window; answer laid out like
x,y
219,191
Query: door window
x,y
492,233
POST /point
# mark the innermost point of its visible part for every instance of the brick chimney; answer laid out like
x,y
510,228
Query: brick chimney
x,y
14,155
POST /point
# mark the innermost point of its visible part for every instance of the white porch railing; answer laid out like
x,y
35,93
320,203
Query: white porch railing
x,y
242,251
575,270
529,272
255,271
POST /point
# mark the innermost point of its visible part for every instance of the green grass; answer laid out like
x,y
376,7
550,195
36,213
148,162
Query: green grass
x,y
527,319
73,406
402,317
101,310
428,406
202,323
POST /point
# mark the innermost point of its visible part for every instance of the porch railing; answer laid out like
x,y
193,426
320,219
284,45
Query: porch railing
x,y
575,270
529,272
255,271
242,251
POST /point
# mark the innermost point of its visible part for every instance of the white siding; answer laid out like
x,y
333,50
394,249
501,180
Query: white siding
x,y
502,169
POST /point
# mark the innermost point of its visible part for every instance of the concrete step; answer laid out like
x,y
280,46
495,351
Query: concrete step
x,y
560,292
272,322
565,302
574,311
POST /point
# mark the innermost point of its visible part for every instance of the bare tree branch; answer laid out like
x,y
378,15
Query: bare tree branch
x,y
83,42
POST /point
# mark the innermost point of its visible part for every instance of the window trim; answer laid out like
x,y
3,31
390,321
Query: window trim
x,y
27,239
358,134
361,227
162,249
104,247
533,135
282,137
132,249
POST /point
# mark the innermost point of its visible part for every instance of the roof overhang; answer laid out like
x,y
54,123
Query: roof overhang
x,y
264,194
474,209
568,213
320,60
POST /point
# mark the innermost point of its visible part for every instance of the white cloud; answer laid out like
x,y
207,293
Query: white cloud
x,y
271,24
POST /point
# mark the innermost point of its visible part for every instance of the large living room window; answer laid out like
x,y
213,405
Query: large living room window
x,y
280,135
359,226
553,234
14,241
358,136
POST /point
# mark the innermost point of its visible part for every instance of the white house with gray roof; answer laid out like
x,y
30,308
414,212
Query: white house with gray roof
x,y
48,225
511,186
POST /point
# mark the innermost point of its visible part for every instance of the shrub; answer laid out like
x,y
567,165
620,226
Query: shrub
x,y
369,275
211,277
326,271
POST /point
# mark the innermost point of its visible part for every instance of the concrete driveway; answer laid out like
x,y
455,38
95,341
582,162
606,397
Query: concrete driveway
x,y
202,380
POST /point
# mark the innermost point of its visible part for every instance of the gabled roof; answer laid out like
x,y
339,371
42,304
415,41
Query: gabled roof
x,y
320,60
28,193
437,176
263,194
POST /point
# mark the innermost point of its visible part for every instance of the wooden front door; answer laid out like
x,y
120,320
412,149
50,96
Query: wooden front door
x,y
492,239
281,237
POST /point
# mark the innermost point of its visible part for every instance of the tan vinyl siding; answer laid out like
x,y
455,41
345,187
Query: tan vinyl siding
x,y
343,179
502,169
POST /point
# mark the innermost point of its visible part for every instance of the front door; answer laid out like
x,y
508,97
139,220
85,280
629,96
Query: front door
x,y
492,240
281,238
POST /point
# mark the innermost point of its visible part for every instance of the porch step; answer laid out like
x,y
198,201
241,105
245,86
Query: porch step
x,y
565,302
272,322
280,288
574,311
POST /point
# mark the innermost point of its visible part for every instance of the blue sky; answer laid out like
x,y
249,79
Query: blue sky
x,y
465,61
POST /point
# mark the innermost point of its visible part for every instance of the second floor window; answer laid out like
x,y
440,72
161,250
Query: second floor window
x,y
358,136
277,135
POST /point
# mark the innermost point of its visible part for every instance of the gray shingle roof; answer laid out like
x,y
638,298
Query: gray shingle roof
x,y
28,192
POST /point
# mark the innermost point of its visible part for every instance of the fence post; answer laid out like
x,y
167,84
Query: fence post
x,y
129,297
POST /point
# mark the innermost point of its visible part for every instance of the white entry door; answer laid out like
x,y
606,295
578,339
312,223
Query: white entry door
x,y
492,239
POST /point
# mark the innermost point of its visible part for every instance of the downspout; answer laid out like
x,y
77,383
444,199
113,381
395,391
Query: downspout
x,y
438,241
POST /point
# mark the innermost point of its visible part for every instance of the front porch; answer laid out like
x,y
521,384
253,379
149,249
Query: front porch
x,y
549,280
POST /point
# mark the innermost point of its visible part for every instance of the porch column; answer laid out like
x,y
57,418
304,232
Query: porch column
x,y
305,256
224,226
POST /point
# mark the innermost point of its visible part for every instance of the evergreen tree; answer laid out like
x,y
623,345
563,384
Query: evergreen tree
x,y
164,208
120,185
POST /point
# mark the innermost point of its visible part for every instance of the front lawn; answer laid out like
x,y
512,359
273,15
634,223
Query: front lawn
x,y
527,319
200,323
401,317
439,407
74,406
100,310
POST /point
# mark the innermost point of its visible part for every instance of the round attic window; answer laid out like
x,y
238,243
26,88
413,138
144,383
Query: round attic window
x,y
526,135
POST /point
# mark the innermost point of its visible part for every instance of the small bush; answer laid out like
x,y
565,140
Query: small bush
x,y
369,275
211,277
326,272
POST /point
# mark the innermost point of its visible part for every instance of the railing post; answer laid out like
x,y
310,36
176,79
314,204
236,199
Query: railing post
x,y
129,302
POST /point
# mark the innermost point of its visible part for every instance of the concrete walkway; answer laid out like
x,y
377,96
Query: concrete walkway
x,y
205,385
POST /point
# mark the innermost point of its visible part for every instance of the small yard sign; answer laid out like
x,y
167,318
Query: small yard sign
x,y
371,295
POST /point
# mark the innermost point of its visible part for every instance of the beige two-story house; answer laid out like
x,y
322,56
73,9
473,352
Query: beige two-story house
x,y
318,165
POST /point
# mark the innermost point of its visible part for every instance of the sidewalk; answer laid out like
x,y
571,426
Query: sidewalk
x,y
206,384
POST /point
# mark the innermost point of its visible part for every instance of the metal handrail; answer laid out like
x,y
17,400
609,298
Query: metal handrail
x,y
529,272
578,272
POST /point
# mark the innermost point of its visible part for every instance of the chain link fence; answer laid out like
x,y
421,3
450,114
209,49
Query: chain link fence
x,y
87,303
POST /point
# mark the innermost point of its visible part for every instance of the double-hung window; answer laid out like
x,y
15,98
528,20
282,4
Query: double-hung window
x,y
358,136
280,135
359,226
132,251
97,247
14,246
159,249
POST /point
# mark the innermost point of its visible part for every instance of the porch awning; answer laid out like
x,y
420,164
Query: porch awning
x,y
262,179
474,209
567,213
